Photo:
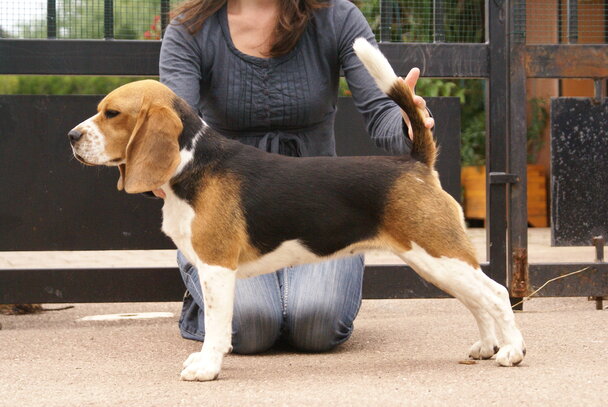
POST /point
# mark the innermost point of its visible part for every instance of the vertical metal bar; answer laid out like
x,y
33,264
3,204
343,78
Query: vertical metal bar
x,y
438,23
572,21
599,242
517,260
108,19
385,20
165,6
560,25
51,19
599,89
496,140
606,21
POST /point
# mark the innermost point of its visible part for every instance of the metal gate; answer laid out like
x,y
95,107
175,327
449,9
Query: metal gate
x,y
504,60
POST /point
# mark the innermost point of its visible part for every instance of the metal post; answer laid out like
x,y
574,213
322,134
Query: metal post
x,y
165,7
572,18
438,17
108,19
51,19
385,21
599,242
496,140
599,89
517,261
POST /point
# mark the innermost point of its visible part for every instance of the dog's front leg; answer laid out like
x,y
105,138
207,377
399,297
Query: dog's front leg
x,y
217,284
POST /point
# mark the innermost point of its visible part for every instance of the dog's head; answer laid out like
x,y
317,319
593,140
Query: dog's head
x,y
136,129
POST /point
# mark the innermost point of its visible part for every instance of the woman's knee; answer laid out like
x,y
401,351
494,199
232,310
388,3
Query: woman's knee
x,y
258,314
322,302
317,329
255,331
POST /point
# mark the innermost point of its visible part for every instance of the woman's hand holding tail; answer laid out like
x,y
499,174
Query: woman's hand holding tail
x,y
410,80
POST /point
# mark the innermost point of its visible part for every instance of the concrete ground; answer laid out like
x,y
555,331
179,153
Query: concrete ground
x,y
403,352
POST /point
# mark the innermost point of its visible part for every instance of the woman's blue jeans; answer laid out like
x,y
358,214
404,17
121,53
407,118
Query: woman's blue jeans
x,y
312,307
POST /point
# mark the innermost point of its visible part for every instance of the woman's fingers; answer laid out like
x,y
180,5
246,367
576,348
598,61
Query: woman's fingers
x,y
412,78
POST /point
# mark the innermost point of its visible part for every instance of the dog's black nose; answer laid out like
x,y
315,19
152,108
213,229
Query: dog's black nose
x,y
74,136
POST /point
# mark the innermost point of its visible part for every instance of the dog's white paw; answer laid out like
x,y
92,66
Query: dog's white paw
x,y
510,355
199,372
483,350
201,367
193,358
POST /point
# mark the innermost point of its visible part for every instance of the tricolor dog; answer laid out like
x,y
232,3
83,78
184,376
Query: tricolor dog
x,y
236,212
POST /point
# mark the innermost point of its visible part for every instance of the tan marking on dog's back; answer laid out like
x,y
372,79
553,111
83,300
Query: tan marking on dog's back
x,y
219,231
419,211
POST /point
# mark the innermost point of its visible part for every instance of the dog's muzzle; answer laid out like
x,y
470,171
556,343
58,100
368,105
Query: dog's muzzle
x,y
74,135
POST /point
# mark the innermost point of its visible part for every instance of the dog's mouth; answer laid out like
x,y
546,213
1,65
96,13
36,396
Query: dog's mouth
x,y
116,161
82,160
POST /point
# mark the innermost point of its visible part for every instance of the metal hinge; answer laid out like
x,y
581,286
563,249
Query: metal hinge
x,y
503,178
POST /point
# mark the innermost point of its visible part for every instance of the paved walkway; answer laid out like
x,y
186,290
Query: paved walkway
x,y
402,353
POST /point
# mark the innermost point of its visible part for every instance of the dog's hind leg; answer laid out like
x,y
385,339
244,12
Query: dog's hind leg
x,y
513,350
486,299
487,346
217,284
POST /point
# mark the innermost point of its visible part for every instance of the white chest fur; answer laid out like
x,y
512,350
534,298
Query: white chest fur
x,y
289,253
177,223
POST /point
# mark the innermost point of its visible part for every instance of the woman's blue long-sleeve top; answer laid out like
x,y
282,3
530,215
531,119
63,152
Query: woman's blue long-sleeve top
x,y
285,104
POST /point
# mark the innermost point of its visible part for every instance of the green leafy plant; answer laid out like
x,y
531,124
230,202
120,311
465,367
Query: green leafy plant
x,y
60,85
473,136
537,121
473,141
412,20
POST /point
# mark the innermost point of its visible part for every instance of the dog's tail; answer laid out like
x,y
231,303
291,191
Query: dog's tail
x,y
423,146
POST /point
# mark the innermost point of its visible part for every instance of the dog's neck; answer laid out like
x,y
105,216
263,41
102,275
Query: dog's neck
x,y
201,148
191,122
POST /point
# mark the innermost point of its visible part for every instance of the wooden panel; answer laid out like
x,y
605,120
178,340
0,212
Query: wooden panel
x,y
79,57
52,201
566,61
474,181
116,57
439,60
164,284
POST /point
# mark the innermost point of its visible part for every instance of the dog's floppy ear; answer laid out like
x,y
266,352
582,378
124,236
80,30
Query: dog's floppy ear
x,y
153,151
121,178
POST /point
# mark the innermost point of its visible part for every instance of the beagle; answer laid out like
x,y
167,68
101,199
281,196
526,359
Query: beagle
x,y
236,212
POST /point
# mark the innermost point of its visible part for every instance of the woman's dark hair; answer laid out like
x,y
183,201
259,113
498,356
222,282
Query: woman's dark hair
x,y
294,15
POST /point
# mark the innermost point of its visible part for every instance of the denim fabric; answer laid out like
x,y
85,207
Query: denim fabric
x,y
312,307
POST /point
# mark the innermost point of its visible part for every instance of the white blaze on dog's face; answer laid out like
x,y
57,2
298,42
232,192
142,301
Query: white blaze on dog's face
x,y
135,129
104,136
90,148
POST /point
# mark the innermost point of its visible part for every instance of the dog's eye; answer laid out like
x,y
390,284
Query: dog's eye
x,y
111,113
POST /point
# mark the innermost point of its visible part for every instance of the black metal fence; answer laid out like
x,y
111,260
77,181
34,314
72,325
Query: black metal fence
x,y
396,20
501,56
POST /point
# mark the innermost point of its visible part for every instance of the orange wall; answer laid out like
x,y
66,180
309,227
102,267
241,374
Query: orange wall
x,y
591,30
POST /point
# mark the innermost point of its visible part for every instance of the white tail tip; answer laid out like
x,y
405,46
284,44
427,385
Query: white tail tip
x,y
376,64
